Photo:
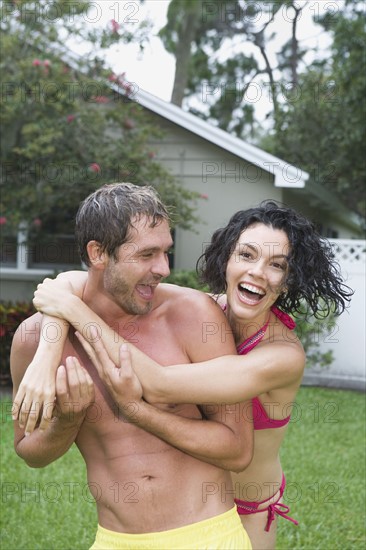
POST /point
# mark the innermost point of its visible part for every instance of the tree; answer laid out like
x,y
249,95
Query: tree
x,y
65,130
322,127
216,82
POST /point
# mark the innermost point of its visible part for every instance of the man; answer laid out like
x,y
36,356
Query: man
x,y
182,497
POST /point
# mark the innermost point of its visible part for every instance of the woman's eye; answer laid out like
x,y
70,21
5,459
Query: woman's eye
x,y
278,266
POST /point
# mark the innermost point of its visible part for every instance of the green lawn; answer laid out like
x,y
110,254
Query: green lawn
x,y
323,457
324,463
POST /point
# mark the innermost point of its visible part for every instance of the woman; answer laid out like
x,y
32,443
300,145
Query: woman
x,y
266,258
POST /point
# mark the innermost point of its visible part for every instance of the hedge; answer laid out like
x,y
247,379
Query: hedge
x,y
11,315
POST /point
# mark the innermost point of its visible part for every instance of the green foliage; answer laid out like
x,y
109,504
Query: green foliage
x,y
11,315
321,127
186,278
65,131
318,111
311,332
221,65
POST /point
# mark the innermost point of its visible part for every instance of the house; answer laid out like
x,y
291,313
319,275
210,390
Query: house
x,y
228,173
231,175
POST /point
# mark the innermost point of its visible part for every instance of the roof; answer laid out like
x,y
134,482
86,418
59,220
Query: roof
x,y
285,174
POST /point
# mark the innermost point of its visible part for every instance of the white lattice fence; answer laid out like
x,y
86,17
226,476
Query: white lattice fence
x,y
347,341
350,251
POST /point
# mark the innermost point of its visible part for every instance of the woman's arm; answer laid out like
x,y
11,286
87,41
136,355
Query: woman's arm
x,y
37,390
228,379
74,393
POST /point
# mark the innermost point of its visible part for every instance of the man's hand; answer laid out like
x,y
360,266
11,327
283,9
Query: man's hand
x,y
74,391
121,381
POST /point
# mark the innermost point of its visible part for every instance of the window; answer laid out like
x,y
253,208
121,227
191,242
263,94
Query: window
x,y
44,245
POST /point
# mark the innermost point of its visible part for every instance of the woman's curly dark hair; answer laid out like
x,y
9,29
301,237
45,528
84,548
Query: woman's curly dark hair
x,y
313,276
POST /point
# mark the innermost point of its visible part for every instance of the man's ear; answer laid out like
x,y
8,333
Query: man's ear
x,y
98,257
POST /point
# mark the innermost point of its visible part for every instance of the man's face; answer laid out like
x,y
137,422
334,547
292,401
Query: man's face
x,y
141,264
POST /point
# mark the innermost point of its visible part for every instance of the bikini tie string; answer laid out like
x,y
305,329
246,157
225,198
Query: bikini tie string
x,y
276,509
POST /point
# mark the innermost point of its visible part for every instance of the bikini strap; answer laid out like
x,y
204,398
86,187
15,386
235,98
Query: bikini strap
x,y
284,317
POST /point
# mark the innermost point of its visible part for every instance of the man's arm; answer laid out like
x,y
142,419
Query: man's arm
x,y
74,390
224,438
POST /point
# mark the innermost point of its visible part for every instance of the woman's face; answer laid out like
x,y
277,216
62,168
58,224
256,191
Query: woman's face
x,y
256,270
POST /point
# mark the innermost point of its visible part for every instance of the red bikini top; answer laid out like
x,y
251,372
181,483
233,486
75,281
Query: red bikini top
x,y
261,420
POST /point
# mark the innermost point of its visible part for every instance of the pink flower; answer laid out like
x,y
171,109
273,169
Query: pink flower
x,y
100,99
203,196
3,220
95,167
127,86
37,222
47,63
121,78
36,62
70,118
115,26
112,77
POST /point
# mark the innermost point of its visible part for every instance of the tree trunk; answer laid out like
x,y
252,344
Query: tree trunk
x,y
183,54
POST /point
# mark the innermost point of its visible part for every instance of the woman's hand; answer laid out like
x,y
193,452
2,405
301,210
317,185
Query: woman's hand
x,y
35,398
52,297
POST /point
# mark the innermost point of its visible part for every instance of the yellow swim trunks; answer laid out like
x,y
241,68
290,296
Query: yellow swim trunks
x,y
223,531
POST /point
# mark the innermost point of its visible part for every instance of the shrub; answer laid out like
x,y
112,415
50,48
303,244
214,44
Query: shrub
x,y
310,333
11,315
187,279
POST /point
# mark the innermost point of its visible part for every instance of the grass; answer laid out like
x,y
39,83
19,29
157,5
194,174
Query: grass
x,y
323,458
48,508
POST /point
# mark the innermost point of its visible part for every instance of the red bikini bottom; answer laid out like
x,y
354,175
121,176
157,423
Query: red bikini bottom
x,y
247,508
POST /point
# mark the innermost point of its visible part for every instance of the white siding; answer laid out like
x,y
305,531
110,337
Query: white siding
x,y
229,183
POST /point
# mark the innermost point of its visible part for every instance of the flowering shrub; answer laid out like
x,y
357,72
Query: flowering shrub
x,y
60,113
11,315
